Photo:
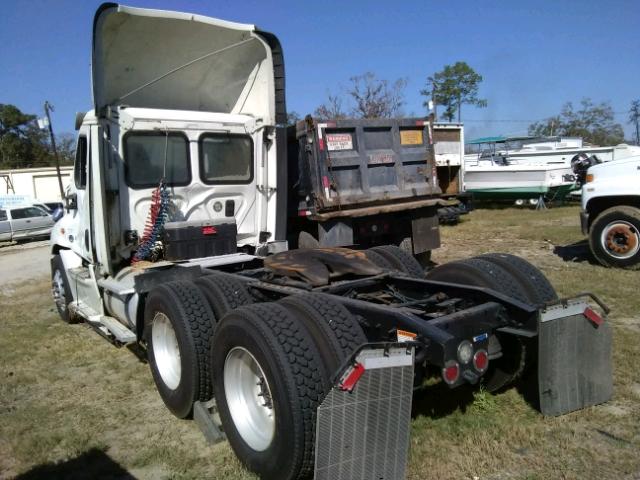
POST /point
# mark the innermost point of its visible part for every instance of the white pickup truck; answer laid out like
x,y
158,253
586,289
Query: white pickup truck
x,y
24,222
610,213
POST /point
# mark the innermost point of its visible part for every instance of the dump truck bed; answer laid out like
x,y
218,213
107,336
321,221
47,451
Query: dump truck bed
x,y
346,164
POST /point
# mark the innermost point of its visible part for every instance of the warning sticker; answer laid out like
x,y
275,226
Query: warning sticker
x,y
411,137
404,336
339,141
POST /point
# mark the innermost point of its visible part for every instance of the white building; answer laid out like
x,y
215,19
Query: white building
x,y
37,183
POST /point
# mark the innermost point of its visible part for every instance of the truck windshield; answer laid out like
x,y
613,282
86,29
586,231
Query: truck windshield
x,y
144,158
226,158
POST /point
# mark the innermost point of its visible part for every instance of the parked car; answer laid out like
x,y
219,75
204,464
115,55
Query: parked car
x,y
24,222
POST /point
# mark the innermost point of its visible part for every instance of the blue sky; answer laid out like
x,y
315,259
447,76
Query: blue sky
x,y
534,56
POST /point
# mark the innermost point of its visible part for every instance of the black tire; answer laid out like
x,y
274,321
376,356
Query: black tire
x,y
60,290
192,320
537,287
296,379
481,273
614,237
534,282
379,260
423,259
401,260
335,331
224,293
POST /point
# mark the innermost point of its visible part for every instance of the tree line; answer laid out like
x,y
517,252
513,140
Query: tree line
x,y
24,145
446,91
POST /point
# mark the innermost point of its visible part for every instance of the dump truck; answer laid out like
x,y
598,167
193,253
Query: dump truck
x,y
364,182
175,239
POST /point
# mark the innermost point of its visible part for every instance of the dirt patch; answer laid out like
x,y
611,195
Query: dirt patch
x,y
22,262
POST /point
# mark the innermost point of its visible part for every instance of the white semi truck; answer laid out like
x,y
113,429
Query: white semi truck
x,y
611,212
175,238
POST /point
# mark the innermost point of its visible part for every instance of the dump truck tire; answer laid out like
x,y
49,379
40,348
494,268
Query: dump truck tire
x,y
481,273
60,289
424,258
379,260
614,237
335,331
535,283
179,327
401,260
271,428
223,292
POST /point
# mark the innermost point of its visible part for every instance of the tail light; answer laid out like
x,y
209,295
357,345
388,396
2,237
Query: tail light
x,y
451,372
481,360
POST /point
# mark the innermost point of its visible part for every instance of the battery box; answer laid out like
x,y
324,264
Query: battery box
x,y
197,239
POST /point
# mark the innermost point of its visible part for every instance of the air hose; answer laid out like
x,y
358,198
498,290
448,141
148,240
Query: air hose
x,y
158,212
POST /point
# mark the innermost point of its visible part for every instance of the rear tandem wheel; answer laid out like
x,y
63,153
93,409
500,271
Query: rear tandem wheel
x,y
269,378
482,272
178,330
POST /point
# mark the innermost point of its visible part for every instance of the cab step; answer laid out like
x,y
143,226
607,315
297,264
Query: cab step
x,y
106,326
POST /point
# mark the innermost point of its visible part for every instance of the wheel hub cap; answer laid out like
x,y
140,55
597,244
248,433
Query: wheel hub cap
x,y
166,351
249,399
621,239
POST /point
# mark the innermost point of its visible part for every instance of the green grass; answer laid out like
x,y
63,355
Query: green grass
x,y
72,404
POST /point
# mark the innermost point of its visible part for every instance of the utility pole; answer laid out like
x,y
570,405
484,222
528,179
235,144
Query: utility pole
x,y
433,100
47,109
634,117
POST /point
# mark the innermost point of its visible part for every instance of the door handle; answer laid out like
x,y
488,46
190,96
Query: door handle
x,y
28,221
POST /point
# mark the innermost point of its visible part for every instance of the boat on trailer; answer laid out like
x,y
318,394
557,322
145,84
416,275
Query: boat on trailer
x,y
521,168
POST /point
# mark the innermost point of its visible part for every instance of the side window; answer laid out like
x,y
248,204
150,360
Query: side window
x,y
36,212
18,213
3,215
80,167
226,158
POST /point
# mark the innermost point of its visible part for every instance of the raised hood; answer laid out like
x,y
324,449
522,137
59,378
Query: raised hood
x,y
172,60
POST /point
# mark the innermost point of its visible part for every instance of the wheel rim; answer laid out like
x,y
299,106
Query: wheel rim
x,y
621,239
249,399
166,351
58,291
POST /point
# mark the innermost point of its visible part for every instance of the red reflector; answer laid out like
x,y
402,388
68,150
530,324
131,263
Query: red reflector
x,y
593,317
209,230
451,372
321,143
349,382
481,360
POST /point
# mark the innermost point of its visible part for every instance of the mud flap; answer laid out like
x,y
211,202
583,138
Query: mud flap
x,y
574,358
362,429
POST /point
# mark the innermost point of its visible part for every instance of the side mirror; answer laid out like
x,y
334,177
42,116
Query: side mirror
x,y
72,202
58,214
